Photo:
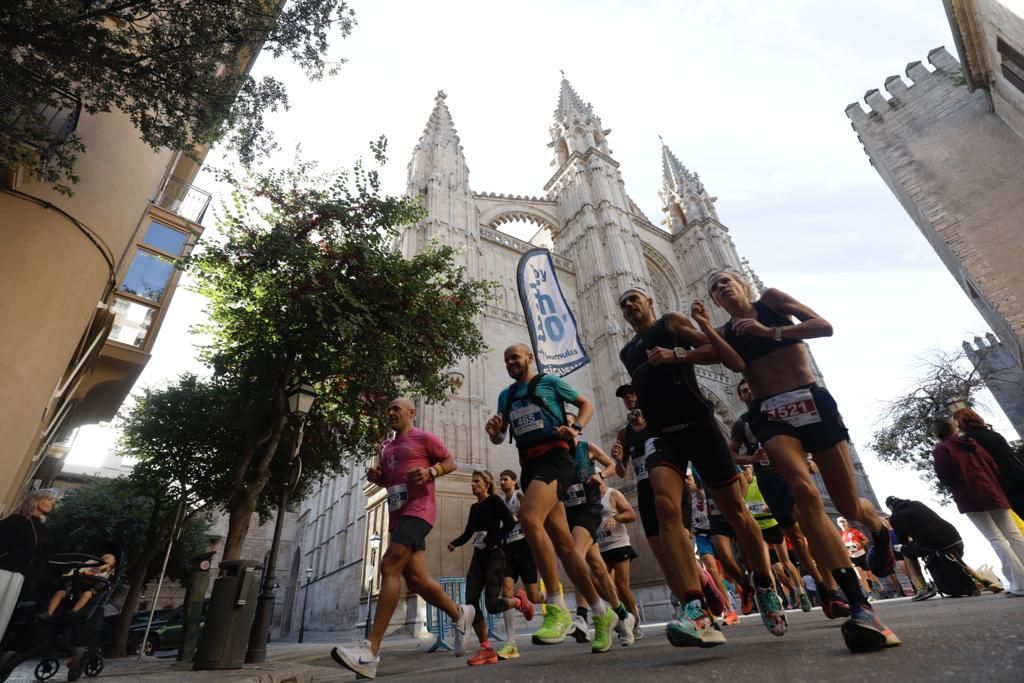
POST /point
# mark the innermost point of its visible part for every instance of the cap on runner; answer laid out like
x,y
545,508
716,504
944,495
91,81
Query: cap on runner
x,y
637,289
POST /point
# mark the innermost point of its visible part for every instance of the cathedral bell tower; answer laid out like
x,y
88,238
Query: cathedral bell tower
x,y
439,177
597,234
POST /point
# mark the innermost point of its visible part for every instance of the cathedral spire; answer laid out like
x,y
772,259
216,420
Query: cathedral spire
x,y
577,129
438,154
683,195
571,107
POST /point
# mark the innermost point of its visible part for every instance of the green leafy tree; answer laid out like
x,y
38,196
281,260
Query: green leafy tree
x,y
306,286
125,512
904,437
177,68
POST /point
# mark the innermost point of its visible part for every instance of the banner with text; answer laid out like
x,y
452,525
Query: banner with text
x,y
556,341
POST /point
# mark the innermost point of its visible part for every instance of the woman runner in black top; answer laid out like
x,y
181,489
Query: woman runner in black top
x,y
489,522
791,415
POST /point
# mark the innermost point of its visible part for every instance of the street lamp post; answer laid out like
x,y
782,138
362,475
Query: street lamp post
x,y
300,401
305,599
374,547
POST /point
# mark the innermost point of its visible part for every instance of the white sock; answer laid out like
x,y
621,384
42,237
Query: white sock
x,y
599,607
558,600
510,626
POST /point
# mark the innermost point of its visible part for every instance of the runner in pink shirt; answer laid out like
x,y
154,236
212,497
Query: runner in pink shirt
x,y
407,468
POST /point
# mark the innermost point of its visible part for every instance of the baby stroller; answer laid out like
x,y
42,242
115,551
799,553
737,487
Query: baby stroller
x,y
69,636
952,577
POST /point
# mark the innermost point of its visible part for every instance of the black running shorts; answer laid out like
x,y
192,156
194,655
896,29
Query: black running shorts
x,y
554,466
861,562
720,527
648,510
823,425
773,535
587,516
623,554
519,565
776,494
702,443
411,531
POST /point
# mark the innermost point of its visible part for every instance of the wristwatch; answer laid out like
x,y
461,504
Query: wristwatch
x,y
433,473
777,333
577,426
680,352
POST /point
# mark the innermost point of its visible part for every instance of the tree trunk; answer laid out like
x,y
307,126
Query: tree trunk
x,y
136,582
239,515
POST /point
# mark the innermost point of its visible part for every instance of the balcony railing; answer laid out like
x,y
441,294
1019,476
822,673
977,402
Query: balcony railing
x,y
188,201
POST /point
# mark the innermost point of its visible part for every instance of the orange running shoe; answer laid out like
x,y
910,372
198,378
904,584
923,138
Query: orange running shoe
x,y
484,655
731,618
525,606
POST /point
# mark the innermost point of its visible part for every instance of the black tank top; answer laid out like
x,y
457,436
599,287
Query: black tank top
x,y
668,395
750,347
636,442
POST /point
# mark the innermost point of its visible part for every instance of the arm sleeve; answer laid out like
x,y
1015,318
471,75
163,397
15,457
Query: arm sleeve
x,y
942,468
462,538
505,515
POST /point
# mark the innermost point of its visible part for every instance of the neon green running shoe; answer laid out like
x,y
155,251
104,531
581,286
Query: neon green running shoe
x,y
508,652
604,624
557,622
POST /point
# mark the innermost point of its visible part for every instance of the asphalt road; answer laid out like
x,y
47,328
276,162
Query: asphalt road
x,y
966,639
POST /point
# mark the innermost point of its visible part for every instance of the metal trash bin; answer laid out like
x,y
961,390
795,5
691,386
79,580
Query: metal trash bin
x,y
229,616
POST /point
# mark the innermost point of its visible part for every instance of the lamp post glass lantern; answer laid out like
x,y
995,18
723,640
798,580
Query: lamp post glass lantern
x,y
305,599
300,400
370,575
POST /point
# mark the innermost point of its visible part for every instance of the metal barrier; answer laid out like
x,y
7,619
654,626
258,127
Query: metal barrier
x,y
441,624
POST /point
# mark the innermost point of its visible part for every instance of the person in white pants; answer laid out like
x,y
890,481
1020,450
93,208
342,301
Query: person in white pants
x,y
972,476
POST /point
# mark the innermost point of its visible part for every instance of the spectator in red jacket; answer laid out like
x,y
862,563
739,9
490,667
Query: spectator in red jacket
x,y
972,476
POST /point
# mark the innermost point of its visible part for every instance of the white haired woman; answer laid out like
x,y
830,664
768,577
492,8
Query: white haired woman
x,y
19,537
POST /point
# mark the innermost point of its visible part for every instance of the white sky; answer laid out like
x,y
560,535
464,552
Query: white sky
x,y
749,94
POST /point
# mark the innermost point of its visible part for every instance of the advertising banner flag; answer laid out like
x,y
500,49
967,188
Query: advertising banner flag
x,y
553,332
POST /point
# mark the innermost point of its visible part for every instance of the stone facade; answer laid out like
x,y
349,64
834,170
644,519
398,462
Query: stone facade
x,y
949,147
602,244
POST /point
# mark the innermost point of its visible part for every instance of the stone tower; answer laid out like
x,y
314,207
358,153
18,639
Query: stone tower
x,y
1003,376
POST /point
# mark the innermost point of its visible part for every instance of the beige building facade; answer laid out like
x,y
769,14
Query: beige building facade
x,y
948,141
88,279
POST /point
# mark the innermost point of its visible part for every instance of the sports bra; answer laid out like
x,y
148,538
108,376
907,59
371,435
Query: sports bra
x,y
751,347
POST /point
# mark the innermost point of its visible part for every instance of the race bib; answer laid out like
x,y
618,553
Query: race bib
x,y
700,518
640,467
398,496
517,534
757,508
526,418
603,534
480,540
795,408
574,495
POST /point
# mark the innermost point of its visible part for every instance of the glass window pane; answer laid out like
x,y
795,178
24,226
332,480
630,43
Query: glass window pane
x,y
161,237
148,276
131,322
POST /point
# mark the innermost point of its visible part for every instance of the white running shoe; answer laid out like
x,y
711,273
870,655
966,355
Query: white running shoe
x,y
463,628
638,632
625,629
359,659
579,629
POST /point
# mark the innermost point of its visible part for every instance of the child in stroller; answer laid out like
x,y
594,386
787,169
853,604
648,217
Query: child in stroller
x,y
72,631
83,582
